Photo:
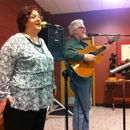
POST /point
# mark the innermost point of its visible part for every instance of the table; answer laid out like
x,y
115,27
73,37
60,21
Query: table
x,y
114,84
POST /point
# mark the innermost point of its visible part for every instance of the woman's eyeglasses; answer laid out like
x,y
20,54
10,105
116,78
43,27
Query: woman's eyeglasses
x,y
36,17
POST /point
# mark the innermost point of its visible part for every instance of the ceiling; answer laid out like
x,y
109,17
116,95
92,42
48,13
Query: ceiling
x,y
71,6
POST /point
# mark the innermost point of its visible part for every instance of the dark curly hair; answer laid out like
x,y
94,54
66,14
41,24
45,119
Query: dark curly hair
x,y
23,16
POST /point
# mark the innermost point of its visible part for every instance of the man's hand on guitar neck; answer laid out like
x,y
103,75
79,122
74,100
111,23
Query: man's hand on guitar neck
x,y
89,57
107,46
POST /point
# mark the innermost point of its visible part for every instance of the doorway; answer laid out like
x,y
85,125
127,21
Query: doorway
x,y
90,41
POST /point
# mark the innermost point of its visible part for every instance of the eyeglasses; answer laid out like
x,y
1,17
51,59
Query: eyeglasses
x,y
82,28
36,17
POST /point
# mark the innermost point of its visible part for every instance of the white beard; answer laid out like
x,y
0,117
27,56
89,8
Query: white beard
x,y
84,36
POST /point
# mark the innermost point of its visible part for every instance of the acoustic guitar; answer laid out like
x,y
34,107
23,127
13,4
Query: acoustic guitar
x,y
86,68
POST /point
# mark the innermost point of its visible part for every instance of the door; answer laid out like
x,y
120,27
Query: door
x,y
90,41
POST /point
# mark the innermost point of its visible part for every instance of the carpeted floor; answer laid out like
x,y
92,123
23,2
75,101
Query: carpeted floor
x,y
101,118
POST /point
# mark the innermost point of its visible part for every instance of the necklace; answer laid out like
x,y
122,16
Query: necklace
x,y
38,42
38,47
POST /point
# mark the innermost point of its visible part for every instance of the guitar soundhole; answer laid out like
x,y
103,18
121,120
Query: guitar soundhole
x,y
92,53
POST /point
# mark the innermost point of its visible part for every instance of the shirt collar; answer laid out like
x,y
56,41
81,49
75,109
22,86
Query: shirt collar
x,y
77,40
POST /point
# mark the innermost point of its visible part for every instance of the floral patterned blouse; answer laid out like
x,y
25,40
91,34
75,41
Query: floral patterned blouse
x,y
26,73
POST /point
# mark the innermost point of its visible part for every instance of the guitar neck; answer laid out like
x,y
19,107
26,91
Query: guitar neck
x,y
115,38
99,50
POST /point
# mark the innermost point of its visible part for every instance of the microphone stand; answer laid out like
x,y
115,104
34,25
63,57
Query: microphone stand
x,y
90,34
123,77
123,100
68,73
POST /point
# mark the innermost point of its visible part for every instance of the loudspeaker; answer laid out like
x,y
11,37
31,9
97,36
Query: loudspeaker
x,y
54,39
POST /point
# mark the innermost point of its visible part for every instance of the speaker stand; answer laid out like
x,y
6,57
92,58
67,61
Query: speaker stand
x,y
49,109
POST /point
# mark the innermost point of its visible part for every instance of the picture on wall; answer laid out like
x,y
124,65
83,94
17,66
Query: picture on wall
x,y
123,51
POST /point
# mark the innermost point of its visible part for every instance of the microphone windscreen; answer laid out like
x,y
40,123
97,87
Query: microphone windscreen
x,y
89,35
43,24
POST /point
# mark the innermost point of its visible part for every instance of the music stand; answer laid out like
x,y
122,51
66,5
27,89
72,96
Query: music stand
x,y
122,69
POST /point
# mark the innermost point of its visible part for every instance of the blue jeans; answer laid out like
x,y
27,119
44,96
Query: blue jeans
x,y
83,88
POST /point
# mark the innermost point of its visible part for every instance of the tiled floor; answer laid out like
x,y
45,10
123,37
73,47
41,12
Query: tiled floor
x,y
101,118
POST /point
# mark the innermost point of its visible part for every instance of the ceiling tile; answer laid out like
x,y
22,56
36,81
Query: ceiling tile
x,y
90,6
127,3
65,2
45,3
112,4
53,10
69,9
87,1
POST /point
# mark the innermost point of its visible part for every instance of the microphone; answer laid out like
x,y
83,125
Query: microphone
x,y
44,24
120,68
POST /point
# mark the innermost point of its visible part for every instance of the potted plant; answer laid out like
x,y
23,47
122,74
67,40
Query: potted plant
x,y
127,73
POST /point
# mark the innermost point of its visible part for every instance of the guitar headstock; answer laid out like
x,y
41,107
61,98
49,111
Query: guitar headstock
x,y
114,39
